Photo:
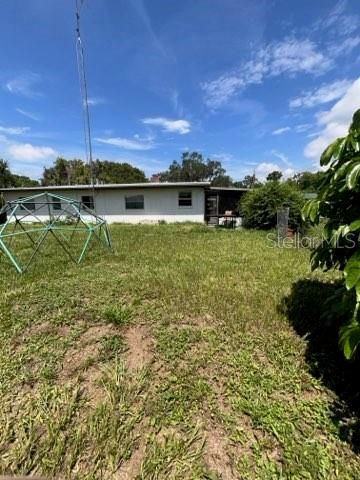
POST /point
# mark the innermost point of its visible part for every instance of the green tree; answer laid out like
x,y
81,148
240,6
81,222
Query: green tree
x,y
5,174
114,172
77,172
308,181
23,181
222,181
338,203
193,168
9,180
259,206
249,181
274,176
58,174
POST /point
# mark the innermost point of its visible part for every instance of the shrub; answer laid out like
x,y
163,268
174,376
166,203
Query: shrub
x,y
259,206
339,203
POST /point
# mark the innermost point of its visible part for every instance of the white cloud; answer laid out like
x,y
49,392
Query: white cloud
x,y
279,131
263,170
176,103
140,8
282,157
94,101
346,46
136,143
13,130
338,21
24,85
304,127
26,152
289,56
288,172
223,157
27,114
334,122
313,134
324,94
174,126
219,91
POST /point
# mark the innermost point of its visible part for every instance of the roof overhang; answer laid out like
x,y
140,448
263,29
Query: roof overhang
x,y
229,189
111,186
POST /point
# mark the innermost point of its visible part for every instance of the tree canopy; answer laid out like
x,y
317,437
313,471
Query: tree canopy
x,y
308,181
77,172
114,172
249,181
193,168
9,179
223,181
274,176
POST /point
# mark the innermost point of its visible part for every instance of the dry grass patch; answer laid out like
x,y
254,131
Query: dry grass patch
x,y
131,468
216,453
174,454
84,351
140,347
197,322
90,383
82,362
19,342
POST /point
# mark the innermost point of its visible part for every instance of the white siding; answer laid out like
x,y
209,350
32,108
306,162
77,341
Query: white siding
x,y
159,204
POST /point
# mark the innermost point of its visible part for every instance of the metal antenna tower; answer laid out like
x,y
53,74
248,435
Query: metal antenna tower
x,y
84,93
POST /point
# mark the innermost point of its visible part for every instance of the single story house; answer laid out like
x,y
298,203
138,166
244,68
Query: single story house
x,y
141,202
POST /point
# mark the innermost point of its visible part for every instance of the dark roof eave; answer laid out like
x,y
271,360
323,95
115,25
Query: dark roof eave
x,y
229,189
113,186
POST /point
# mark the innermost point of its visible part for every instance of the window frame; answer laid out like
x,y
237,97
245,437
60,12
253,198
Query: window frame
x,y
185,192
90,204
29,205
140,205
56,204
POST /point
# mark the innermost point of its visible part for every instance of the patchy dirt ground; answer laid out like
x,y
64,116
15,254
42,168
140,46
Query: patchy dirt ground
x,y
171,359
140,347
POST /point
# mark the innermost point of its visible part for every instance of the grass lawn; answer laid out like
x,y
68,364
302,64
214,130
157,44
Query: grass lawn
x,y
181,356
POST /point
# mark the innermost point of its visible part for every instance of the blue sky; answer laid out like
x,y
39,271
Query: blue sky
x,y
259,85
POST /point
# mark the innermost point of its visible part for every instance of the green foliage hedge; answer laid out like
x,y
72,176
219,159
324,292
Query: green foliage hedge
x,y
259,206
339,203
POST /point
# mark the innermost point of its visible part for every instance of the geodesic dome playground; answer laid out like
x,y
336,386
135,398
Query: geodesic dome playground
x,y
28,224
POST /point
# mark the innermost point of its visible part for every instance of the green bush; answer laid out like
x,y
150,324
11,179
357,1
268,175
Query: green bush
x,y
339,203
259,206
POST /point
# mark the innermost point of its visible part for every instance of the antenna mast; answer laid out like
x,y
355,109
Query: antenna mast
x,y
84,93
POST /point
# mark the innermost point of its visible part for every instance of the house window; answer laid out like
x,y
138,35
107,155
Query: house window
x,y
56,203
27,205
185,199
88,201
135,202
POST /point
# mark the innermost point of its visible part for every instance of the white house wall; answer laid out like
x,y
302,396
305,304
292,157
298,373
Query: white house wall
x,y
159,204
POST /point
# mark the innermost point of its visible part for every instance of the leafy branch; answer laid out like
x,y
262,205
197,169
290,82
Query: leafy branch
x,y
338,203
